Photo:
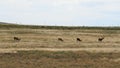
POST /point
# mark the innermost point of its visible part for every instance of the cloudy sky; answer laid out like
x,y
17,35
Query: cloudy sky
x,y
61,12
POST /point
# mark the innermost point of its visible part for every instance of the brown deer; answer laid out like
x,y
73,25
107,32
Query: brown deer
x,y
17,39
60,39
100,39
78,39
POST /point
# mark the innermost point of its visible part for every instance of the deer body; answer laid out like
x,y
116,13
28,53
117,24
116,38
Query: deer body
x,y
100,39
60,39
17,39
78,39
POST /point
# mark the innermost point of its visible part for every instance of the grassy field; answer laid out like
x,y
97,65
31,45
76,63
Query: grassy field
x,y
48,59
47,37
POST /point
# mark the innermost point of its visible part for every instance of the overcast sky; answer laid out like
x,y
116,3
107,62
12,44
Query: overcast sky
x,y
61,12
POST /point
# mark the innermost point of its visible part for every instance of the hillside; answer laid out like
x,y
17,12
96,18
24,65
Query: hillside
x,y
11,25
3,23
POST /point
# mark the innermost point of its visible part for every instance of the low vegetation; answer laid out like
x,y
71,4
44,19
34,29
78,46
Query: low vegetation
x,y
8,26
47,36
45,59
32,36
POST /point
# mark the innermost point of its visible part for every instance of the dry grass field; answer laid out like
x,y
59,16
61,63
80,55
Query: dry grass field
x,y
48,38
40,48
62,59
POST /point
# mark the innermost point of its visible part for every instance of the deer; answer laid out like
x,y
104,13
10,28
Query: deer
x,y
100,39
17,39
60,39
78,39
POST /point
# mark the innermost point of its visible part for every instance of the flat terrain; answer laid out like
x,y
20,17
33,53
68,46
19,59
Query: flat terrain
x,y
62,59
48,38
40,48
92,50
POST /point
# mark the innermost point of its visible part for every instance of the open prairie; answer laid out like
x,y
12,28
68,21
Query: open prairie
x,y
39,47
48,38
62,59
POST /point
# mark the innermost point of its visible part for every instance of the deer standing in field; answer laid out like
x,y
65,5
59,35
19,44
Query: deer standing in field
x,y
17,39
100,39
60,39
78,39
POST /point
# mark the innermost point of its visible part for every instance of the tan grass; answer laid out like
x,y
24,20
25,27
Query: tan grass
x,y
38,38
47,38
39,48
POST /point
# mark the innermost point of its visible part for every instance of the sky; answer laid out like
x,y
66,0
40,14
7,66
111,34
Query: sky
x,y
61,12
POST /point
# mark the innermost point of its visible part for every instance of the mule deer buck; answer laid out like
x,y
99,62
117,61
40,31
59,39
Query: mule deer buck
x,y
60,39
17,39
78,39
100,39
